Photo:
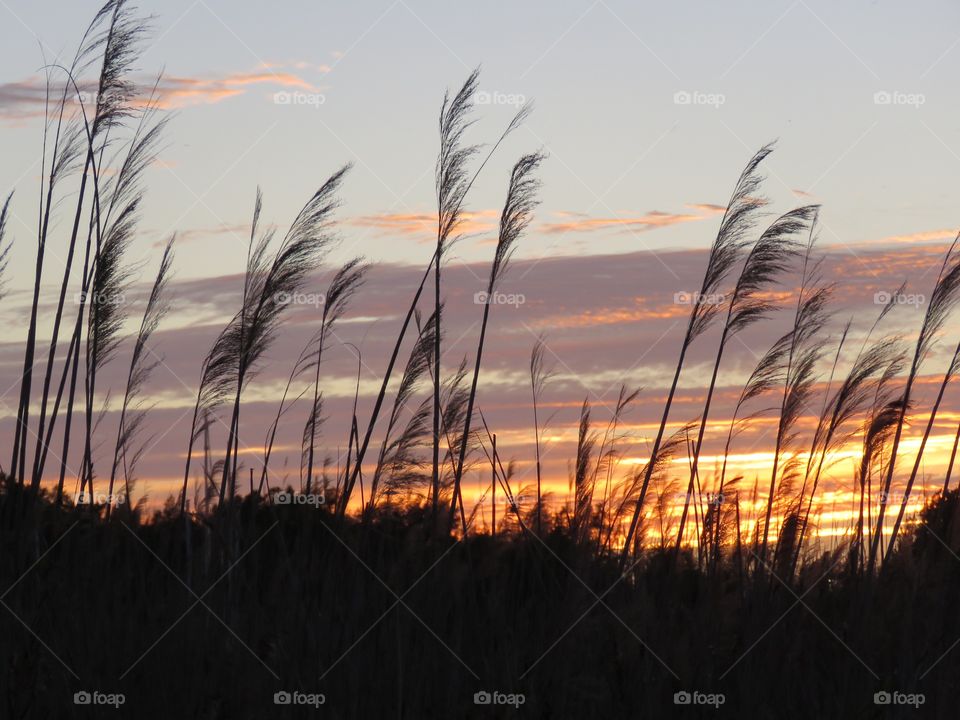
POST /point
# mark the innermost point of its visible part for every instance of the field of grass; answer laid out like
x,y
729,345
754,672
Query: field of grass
x,y
372,588
209,617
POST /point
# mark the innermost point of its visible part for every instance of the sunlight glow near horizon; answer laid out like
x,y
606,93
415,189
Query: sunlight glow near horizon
x,y
647,190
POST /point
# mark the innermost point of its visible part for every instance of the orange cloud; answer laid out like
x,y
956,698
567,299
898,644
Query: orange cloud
x,y
923,236
179,91
239,229
618,316
881,266
423,226
708,208
579,222
26,99
920,237
22,99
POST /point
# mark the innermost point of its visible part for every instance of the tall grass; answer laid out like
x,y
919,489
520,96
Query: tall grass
x,y
395,507
769,257
946,292
142,363
342,288
453,184
725,251
112,36
424,448
539,375
268,286
804,351
514,219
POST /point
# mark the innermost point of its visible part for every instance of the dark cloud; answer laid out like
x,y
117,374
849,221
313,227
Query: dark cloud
x,y
608,320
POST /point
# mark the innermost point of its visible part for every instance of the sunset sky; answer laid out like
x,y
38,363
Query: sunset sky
x,y
647,113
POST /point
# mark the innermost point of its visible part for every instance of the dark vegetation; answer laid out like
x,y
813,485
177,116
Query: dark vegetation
x,y
387,621
374,582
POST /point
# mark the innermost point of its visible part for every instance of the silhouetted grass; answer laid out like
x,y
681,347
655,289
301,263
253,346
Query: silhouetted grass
x,y
193,627
374,595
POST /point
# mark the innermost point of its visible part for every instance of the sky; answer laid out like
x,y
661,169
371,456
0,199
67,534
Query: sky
x,y
647,113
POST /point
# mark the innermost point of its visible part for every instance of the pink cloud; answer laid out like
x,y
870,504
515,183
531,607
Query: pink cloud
x,y
579,222
609,319
922,236
423,226
25,99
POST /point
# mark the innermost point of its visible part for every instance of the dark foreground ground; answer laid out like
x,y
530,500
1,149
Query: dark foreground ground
x,y
216,619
